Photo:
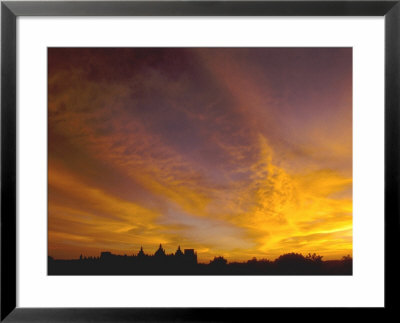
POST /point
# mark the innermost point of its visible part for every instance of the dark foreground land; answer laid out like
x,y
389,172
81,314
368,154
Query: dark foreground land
x,y
288,264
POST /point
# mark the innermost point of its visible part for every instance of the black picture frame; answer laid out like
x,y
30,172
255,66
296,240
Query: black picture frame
x,y
10,10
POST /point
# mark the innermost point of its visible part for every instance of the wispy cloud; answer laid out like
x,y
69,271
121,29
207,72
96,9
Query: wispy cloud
x,y
200,147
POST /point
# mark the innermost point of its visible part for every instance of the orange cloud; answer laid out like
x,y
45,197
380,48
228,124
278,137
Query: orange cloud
x,y
207,162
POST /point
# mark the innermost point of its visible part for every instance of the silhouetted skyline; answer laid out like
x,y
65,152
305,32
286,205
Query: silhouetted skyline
x,y
160,250
185,263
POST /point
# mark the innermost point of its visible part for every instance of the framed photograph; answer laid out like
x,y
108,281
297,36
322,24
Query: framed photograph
x,y
197,161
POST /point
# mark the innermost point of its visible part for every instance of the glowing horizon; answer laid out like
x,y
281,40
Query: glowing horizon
x,y
233,152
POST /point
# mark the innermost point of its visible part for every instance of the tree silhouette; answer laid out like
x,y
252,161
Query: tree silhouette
x,y
314,257
347,258
218,261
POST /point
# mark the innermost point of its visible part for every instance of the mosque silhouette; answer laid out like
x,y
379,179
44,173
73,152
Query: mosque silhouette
x,y
187,257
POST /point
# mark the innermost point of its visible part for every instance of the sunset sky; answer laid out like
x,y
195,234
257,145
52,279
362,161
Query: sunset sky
x,y
235,152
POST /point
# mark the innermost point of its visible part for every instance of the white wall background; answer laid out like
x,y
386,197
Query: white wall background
x,y
364,288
